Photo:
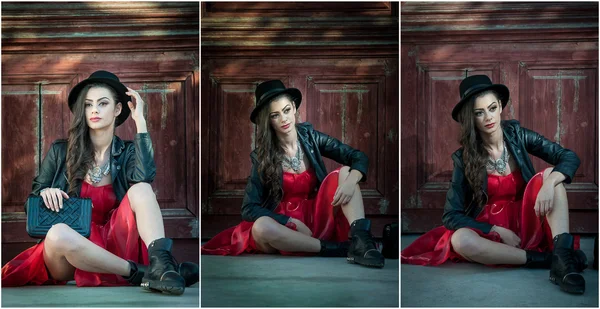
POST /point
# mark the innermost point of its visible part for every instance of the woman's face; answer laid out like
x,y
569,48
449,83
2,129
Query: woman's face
x,y
282,115
100,108
487,111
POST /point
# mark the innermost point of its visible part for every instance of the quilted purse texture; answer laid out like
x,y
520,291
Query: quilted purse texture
x,y
76,213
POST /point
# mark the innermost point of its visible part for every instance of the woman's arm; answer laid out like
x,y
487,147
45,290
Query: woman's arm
x,y
564,160
332,148
253,198
48,169
454,216
140,160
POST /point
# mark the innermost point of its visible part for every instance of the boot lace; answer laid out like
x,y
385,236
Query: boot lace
x,y
368,239
167,259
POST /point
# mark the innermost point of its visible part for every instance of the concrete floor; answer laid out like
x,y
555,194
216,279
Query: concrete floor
x,y
283,281
475,285
71,296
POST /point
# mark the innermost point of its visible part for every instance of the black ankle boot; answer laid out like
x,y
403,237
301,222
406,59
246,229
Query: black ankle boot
x,y
564,271
544,260
538,259
162,275
136,274
334,249
362,248
188,270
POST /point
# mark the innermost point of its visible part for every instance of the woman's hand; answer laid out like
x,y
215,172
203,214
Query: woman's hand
x,y
545,200
508,236
53,198
344,192
137,110
301,227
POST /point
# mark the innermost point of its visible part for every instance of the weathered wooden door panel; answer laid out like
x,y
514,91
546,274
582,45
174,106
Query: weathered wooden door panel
x,y
553,91
41,113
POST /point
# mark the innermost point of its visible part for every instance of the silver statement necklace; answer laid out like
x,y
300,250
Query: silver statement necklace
x,y
96,173
295,161
500,164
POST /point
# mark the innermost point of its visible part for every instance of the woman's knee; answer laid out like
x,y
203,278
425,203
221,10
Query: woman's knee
x,y
265,229
61,238
140,191
464,241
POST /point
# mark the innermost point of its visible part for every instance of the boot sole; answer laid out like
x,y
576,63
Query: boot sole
x,y
567,288
365,262
167,287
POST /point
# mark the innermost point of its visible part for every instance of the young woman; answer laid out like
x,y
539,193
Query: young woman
x,y
291,204
115,174
498,210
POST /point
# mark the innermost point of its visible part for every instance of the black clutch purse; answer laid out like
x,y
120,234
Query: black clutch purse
x,y
76,213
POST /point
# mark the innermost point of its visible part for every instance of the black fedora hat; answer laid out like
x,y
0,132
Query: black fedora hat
x,y
475,84
266,91
113,81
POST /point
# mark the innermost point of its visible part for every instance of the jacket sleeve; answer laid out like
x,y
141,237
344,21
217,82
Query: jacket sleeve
x,y
563,159
253,198
454,216
140,160
333,148
46,173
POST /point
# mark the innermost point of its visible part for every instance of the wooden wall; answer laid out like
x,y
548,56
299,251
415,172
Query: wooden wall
x,y
344,59
547,55
152,47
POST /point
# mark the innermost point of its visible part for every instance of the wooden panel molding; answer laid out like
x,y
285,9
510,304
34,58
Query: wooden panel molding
x,y
299,29
499,21
97,27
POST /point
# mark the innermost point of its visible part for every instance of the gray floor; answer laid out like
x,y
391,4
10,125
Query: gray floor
x,y
474,285
71,296
283,281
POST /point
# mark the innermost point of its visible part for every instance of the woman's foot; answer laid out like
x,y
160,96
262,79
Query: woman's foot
x,y
162,275
537,259
564,271
188,270
334,249
362,248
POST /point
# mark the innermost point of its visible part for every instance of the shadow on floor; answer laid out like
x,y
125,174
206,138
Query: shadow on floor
x,y
475,285
284,281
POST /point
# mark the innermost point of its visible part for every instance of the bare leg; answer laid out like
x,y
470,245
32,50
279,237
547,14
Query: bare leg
x,y
147,212
354,209
269,235
65,250
477,249
558,218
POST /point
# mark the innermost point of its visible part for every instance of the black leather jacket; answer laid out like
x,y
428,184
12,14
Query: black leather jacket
x,y
315,145
131,162
461,210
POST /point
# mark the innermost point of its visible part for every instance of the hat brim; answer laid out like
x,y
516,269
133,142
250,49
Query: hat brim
x,y
499,88
295,93
121,90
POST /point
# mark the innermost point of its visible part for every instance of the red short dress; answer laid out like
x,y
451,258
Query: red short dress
x,y
510,205
299,201
113,228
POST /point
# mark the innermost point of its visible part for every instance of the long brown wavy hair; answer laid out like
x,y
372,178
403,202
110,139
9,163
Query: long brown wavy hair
x,y
270,153
80,151
474,154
